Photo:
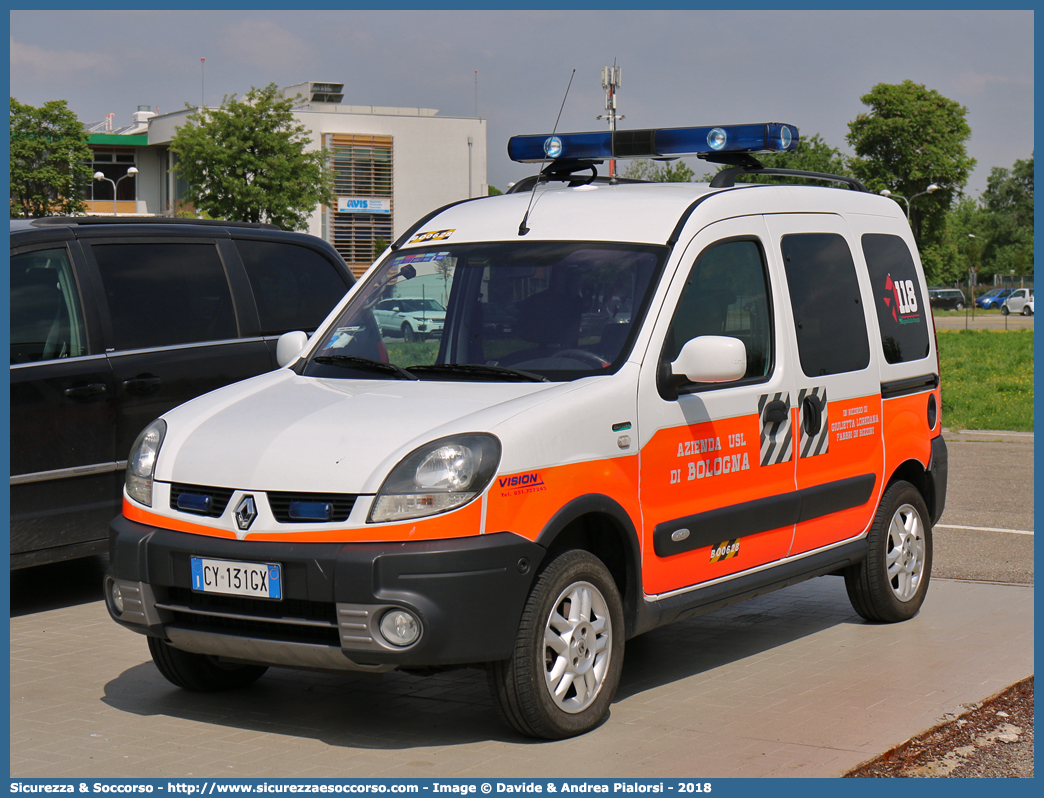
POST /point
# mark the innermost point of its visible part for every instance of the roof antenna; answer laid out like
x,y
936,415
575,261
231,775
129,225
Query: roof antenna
x,y
522,229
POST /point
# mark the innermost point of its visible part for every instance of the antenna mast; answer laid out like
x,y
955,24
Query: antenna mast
x,y
611,82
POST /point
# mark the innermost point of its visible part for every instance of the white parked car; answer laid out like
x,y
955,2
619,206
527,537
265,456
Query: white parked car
x,y
410,318
1020,301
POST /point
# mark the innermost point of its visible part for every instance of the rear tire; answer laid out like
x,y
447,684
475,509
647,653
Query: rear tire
x,y
568,653
959,306
891,583
200,673
1026,311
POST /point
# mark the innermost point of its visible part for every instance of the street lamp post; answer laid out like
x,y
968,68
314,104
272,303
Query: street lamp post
x,y
972,272
99,176
930,190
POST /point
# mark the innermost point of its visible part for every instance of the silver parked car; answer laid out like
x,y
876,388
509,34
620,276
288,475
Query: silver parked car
x,y
1020,301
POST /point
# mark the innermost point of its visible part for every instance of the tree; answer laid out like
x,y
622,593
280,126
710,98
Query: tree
x,y
665,172
50,160
247,161
379,245
912,137
1007,205
493,191
949,259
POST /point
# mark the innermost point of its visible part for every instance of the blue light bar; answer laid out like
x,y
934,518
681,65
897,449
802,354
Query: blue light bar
x,y
660,143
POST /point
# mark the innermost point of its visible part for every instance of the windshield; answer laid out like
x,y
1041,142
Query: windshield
x,y
493,312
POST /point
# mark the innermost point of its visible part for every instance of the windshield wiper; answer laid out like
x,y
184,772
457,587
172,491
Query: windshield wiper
x,y
478,370
364,364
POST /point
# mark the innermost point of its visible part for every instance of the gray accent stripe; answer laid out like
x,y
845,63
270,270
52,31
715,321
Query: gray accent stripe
x,y
177,347
894,388
62,360
67,473
762,515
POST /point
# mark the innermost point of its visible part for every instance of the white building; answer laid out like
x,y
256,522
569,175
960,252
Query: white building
x,y
391,165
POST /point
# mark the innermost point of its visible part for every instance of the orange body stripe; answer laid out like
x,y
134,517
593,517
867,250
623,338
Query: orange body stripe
x,y
525,502
854,448
906,429
668,493
456,523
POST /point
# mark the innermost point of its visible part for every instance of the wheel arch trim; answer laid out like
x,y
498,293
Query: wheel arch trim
x,y
598,505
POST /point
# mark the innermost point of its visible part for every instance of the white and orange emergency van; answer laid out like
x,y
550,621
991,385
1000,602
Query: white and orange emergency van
x,y
646,401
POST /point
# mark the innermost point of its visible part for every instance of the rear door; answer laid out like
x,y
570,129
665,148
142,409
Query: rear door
x,y
839,440
63,464
173,329
717,460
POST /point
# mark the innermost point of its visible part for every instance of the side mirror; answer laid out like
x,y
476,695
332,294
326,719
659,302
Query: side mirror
x,y
289,346
711,358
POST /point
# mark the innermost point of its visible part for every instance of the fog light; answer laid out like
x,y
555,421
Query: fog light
x,y
117,598
400,628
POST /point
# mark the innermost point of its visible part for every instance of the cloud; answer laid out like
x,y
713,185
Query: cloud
x,y
264,44
36,62
975,83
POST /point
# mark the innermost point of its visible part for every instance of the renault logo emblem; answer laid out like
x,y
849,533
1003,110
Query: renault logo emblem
x,y
245,512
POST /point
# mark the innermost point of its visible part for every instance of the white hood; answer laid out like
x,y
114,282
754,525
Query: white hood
x,y
280,431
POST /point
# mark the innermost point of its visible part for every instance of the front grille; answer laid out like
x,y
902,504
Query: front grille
x,y
272,620
279,502
219,498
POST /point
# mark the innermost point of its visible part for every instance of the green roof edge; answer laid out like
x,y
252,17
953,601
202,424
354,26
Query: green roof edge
x,y
118,140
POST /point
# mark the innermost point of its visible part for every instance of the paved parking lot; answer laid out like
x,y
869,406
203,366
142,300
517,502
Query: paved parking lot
x,y
791,684
982,321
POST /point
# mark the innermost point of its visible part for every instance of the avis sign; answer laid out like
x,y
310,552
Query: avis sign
x,y
363,205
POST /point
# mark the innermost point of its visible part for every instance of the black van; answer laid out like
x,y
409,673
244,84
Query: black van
x,y
947,299
116,320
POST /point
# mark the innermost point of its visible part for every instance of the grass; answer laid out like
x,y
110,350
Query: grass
x,y
987,379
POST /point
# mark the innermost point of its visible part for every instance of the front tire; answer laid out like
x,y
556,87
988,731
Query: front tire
x,y
891,583
407,334
1004,310
200,673
568,652
959,306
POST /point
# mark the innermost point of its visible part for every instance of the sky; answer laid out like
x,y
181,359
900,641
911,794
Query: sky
x,y
679,67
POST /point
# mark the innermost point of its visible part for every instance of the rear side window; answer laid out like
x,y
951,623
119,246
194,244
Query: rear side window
x,y
897,296
294,287
165,294
828,311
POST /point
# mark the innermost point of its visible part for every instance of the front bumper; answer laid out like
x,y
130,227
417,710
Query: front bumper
x,y
467,592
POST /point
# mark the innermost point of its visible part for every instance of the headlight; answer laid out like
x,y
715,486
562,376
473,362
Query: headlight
x,y
437,477
142,461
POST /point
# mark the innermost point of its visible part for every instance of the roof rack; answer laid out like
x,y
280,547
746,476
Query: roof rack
x,y
726,178
530,182
73,221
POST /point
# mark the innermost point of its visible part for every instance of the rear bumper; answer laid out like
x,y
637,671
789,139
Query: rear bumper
x,y
938,470
468,594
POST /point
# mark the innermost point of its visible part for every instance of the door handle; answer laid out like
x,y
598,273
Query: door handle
x,y
812,412
142,384
82,391
775,412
